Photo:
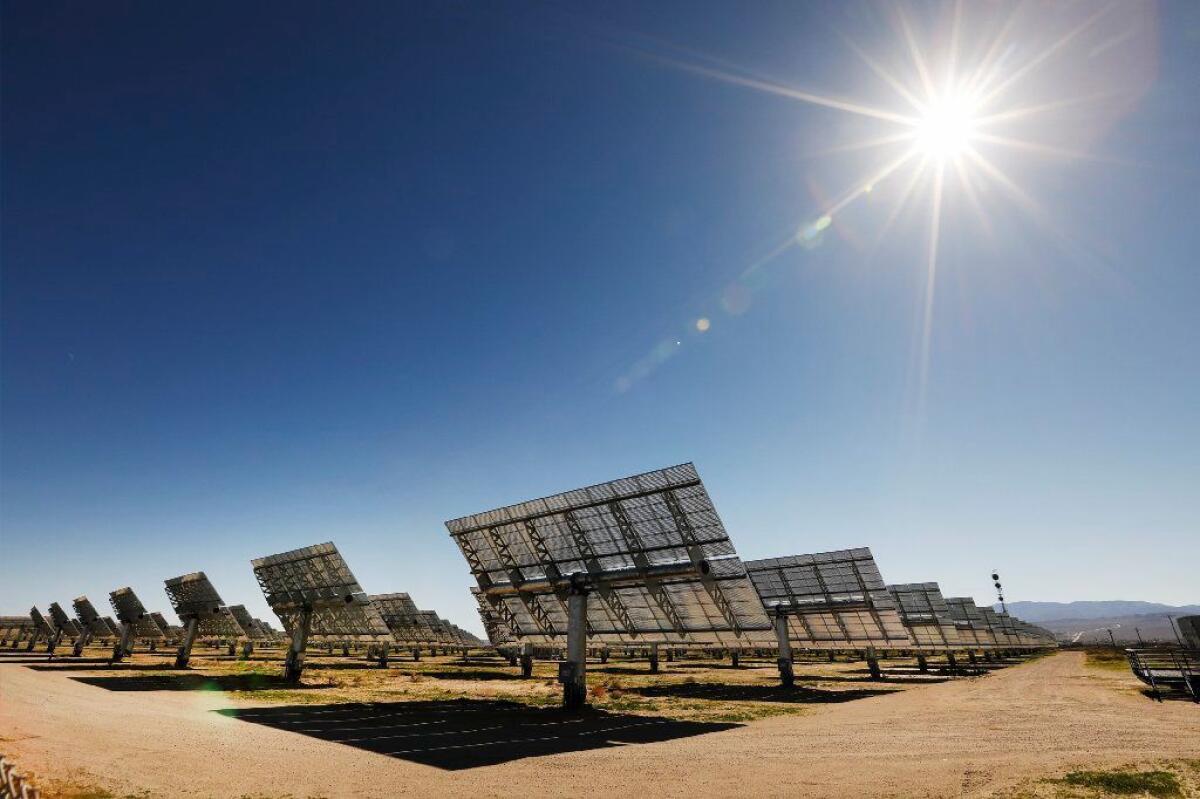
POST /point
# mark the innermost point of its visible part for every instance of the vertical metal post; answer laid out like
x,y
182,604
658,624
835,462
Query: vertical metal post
x,y
950,661
383,656
526,660
295,657
124,644
54,641
735,657
185,648
417,654
81,642
873,664
33,639
922,664
786,675
573,672
247,648
654,658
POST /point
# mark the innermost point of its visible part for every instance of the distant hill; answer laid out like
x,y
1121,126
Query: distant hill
x,y
1037,612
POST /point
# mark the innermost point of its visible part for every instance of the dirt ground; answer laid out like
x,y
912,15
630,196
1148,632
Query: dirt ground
x,y
440,727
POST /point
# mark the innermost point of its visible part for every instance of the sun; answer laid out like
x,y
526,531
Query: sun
x,y
946,126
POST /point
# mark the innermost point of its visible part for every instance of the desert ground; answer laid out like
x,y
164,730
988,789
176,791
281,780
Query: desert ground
x,y
446,727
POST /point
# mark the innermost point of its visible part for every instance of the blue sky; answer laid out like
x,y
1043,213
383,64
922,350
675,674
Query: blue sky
x,y
287,274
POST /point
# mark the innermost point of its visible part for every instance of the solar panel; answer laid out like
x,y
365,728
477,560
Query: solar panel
x,y
135,622
651,549
409,626
314,593
926,615
14,629
194,597
114,629
62,623
833,600
970,622
89,619
161,622
1001,627
521,556
252,629
42,630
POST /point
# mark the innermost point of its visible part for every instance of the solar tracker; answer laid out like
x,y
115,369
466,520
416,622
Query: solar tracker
x,y
163,626
409,625
63,625
1189,630
972,627
202,612
927,616
14,629
41,629
114,629
834,600
251,628
135,622
89,620
650,548
1001,627
314,593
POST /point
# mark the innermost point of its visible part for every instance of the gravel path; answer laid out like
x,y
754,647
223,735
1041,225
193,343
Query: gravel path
x,y
965,737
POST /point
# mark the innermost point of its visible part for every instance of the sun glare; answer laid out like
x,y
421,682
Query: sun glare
x,y
946,127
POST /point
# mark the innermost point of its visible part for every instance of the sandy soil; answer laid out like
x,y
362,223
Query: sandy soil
x,y
979,736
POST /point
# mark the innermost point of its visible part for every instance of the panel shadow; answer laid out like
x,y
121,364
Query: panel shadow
x,y
468,733
197,682
756,693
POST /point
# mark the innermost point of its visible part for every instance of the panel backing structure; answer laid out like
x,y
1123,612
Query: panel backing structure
x,y
645,558
973,628
42,629
833,600
62,623
314,593
134,620
202,612
89,619
250,627
498,633
409,625
925,613
1002,628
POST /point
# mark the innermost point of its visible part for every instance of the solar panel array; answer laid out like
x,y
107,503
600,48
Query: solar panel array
x,y
640,526
925,613
193,596
408,624
833,600
129,610
317,578
60,621
40,623
497,631
969,620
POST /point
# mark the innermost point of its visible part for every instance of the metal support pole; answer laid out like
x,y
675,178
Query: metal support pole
x,y
345,649
54,641
971,656
383,656
654,658
735,657
81,642
951,661
786,676
873,664
231,648
604,655
527,660
573,672
922,664
417,654
185,648
124,644
247,649
294,665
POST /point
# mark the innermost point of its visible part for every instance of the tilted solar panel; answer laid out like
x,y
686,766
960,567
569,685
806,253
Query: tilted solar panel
x,y
317,578
832,599
663,565
129,610
408,625
193,596
86,613
968,618
926,615
248,625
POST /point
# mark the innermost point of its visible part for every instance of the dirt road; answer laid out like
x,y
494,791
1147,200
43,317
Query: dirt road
x,y
970,737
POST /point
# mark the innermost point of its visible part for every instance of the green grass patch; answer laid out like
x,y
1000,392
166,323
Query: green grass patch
x,y
1160,784
1107,659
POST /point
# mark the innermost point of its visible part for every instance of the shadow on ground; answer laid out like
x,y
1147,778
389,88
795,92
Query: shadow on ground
x,y
755,693
197,682
469,733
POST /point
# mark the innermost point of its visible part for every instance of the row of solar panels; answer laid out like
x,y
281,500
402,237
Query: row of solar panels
x,y
391,618
664,571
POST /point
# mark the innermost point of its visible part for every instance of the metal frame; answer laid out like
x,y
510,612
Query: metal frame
x,y
649,548
202,612
314,593
134,620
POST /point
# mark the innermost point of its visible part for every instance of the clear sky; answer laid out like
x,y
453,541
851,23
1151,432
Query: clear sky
x,y
276,274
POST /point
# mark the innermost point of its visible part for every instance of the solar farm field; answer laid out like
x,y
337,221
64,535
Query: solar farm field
x,y
455,726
